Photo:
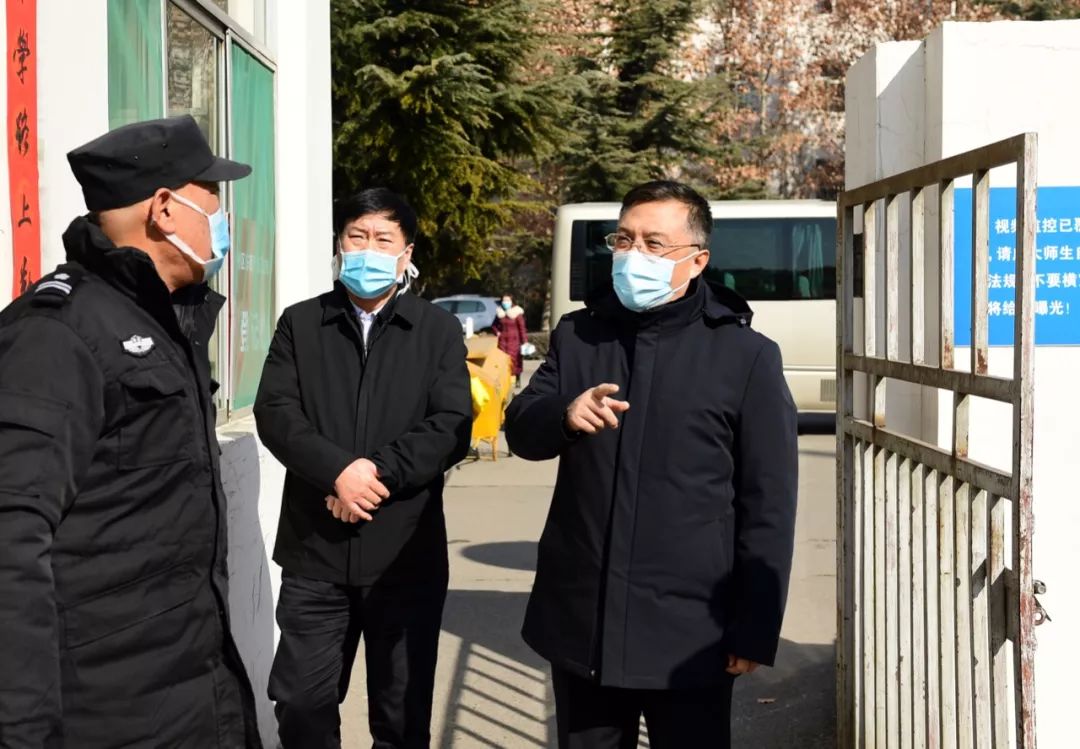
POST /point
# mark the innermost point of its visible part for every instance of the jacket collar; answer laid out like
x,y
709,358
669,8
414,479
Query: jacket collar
x,y
718,304
402,308
131,272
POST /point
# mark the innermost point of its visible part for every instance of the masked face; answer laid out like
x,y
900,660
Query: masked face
x,y
642,281
507,304
372,257
220,241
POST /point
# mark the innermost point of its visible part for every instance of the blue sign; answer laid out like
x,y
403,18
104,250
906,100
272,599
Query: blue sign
x,y
1057,266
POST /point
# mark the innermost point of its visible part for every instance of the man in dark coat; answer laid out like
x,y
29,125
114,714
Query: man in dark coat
x,y
365,399
114,627
664,564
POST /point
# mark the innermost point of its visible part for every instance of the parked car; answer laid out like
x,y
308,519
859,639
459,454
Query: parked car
x,y
463,306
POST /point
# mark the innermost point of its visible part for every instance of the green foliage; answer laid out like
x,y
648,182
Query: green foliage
x,y
638,114
431,99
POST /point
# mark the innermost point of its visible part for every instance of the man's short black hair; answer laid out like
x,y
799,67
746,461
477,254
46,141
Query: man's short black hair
x,y
700,216
380,202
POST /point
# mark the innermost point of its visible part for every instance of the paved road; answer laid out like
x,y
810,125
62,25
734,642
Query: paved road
x,y
492,691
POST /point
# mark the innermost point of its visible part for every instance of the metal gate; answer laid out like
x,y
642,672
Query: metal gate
x,y
936,607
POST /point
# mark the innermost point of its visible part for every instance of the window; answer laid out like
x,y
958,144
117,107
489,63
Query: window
x,y
447,305
766,259
202,57
470,307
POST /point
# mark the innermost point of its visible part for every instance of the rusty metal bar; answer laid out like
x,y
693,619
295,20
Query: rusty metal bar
x,y
849,537
980,271
869,592
983,386
965,710
1023,413
880,651
892,609
947,603
919,609
946,195
933,618
904,607
892,277
980,622
968,471
1000,687
1002,153
918,276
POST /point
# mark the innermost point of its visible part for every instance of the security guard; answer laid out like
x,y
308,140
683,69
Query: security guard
x,y
113,604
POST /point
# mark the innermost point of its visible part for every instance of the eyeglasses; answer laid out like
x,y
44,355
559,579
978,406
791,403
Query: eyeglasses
x,y
623,243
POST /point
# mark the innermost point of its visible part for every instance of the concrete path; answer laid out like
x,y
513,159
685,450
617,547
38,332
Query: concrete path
x,y
492,691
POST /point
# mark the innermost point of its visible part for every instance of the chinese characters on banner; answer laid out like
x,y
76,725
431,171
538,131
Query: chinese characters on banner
x,y
23,141
1057,266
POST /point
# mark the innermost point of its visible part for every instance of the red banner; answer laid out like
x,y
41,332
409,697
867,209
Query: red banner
x,y
23,141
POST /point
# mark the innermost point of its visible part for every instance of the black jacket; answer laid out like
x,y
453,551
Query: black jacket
x,y
114,625
669,540
403,403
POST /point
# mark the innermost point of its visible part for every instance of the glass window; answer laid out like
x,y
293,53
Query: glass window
x,y
761,259
253,224
136,87
447,305
470,307
193,73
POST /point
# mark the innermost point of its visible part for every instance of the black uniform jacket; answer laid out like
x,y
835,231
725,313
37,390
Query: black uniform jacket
x,y
668,544
113,602
402,401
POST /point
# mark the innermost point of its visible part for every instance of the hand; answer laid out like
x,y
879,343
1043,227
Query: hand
x,y
737,666
358,488
595,410
337,508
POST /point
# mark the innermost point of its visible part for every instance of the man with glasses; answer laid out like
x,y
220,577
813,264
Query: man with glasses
x,y
663,569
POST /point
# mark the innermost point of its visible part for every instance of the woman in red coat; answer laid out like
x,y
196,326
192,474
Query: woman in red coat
x,y
509,325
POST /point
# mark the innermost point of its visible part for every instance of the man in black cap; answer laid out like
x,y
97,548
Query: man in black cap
x,y
114,625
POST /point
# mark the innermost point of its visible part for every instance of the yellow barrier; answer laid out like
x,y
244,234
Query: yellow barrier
x,y
492,386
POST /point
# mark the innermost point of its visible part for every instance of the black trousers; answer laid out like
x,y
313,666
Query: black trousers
x,y
321,625
590,716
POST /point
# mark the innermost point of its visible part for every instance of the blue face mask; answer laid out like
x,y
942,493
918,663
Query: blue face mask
x,y
507,305
368,274
219,239
642,281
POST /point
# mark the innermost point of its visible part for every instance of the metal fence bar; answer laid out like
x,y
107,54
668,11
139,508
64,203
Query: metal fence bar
x,y
933,621
892,610
969,471
892,277
881,648
1002,703
946,194
918,276
980,264
904,565
1023,413
947,604
854,694
984,386
919,676
870,595
980,622
965,709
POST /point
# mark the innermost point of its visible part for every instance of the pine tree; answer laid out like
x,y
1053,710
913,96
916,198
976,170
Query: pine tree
x,y
431,99
640,113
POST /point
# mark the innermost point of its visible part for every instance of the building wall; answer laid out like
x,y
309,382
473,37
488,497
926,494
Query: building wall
x,y
73,105
979,83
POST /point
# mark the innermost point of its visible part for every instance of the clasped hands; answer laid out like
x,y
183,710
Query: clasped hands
x,y
358,493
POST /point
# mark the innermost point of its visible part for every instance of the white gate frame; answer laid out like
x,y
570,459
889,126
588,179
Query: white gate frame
x,y
936,640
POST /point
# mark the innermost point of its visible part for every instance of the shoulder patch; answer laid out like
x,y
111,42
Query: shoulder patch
x,y
55,289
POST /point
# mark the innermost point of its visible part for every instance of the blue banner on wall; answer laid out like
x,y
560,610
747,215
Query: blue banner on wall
x,y
1057,266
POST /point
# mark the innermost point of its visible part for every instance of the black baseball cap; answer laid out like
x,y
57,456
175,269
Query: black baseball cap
x,y
133,162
